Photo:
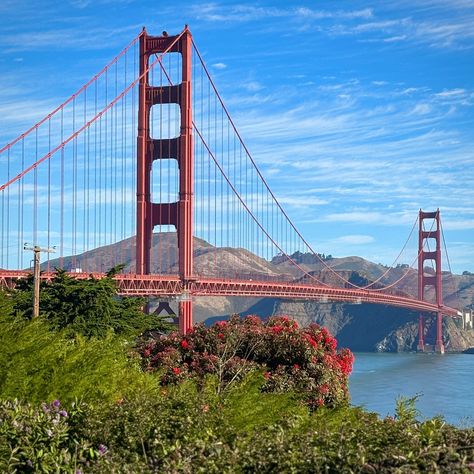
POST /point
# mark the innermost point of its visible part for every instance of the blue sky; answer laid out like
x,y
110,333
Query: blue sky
x,y
358,113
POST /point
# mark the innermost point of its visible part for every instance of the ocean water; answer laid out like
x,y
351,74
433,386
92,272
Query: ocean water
x,y
444,384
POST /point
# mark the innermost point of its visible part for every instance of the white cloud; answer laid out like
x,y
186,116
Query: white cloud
x,y
67,38
302,201
461,224
354,239
219,66
215,12
252,86
322,14
366,217
394,39
421,109
451,93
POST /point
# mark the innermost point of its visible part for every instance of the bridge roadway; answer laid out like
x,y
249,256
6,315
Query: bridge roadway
x,y
171,285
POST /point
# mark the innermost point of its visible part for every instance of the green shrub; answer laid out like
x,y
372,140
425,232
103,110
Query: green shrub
x,y
37,364
187,428
43,439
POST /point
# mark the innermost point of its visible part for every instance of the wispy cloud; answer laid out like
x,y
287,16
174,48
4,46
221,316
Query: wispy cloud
x,y
252,86
219,66
304,12
441,29
354,239
62,38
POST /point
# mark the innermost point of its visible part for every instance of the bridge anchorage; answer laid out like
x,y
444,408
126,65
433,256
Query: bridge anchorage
x,y
67,180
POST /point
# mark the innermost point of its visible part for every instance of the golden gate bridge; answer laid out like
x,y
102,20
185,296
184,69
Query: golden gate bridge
x,y
148,142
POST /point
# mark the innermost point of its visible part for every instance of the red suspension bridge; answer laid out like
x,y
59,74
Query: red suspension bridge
x,y
148,144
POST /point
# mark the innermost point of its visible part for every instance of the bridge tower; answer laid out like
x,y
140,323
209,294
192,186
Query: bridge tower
x,y
434,281
180,213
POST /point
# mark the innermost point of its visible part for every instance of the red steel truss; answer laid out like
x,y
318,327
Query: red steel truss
x,y
168,285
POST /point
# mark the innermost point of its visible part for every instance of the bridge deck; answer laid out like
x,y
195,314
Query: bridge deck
x,y
171,285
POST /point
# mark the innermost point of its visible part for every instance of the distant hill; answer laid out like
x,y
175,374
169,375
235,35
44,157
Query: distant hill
x,y
360,327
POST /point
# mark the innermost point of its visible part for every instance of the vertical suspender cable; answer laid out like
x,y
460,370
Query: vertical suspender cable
x,y
74,184
61,218
87,172
105,163
49,196
35,194
22,201
134,142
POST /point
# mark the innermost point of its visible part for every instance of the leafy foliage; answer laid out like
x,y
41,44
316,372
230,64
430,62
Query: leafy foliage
x,y
89,307
187,428
301,360
6,303
42,439
37,364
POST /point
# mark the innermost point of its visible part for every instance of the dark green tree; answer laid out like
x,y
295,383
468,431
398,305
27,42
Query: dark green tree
x,y
90,307
6,302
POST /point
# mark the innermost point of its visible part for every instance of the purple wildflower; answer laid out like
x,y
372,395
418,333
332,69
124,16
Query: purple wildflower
x,y
102,449
63,413
56,403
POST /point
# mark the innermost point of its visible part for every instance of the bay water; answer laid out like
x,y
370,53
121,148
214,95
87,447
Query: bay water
x,y
444,384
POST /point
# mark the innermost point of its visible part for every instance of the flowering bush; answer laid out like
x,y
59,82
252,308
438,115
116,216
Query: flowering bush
x,y
304,360
44,439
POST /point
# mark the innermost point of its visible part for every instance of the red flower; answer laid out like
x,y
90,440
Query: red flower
x,y
345,361
296,366
146,353
184,344
220,336
311,340
253,320
176,370
277,329
267,375
221,324
324,389
330,342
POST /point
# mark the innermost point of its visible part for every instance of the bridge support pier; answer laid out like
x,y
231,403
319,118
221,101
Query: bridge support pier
x,y
439,346
185,309
421,334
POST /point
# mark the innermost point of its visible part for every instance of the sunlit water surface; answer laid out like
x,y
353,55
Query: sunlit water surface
x,y
444,383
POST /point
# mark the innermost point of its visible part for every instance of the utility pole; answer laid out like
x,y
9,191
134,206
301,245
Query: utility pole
x,y
36,249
